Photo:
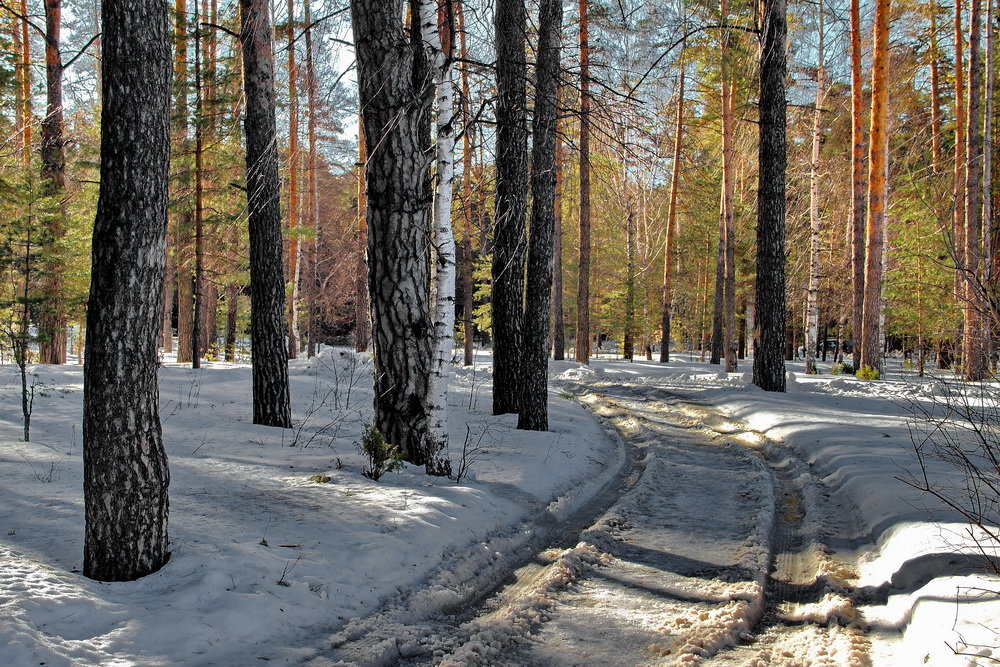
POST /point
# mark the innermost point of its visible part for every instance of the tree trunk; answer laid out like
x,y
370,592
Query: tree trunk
x,y
671,234
534,406
583,277
398,224
558,307
22,75
878,161
52,325
292,206
812,294
628,340
769,335
125,466
362,310
182,213
469,204
509,242
232,309
312,201
718,333
267,283
935,57
975,363
729,340
437,28
961,147
858,185
198,340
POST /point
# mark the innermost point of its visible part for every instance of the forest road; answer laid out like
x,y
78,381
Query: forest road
x,y
714,550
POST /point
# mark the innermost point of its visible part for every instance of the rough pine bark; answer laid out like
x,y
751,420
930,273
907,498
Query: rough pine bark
x,y
858,185
671,232
267,283
769,334
534,406
395,109
878,161
52,324
125,466
362,309
583,270
509,241
729,339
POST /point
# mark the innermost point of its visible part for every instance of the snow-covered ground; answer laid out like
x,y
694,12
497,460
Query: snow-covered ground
x,y
267,564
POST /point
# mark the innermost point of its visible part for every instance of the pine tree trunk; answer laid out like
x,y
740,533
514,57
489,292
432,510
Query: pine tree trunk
x,y
812,294
858,185
469,203
878,161
628,340
398,224
267,283
534,406
198,340
182,212
583,276
22,76
975,364
125,466
935,57
312,199
232,310
769,335
436,26
362,312
558,304
961,147
509,241
728,320
292,206
671,233
52,325
718,334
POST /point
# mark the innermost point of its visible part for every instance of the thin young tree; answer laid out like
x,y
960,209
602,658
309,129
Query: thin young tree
x,y
271,403
769,343
583,269
534,406
292,208
669,248
509,240
858,185
878,165
812,291
398,223
975,363
125,466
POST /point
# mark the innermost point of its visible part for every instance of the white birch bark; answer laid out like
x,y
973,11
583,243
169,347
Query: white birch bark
x,y
442,239
812,292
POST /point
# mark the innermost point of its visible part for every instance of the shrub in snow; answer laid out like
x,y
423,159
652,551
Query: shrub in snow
x,y
842,369
867,373
382,457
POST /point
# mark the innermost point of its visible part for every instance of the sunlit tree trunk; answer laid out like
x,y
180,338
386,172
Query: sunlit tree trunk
x,y
125,466
812,294
935,57
878,161
362,312
669,249
437,29
312,205
858,185
558,307
729,339
769,338
469,202
269,349
52,325
198,338
583,277
292,207
975,364
961,148
398,223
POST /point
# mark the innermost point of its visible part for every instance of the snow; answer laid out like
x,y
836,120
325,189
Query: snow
x,y
267,564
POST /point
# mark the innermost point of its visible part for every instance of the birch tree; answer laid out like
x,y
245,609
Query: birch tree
x,y
812,292
436,26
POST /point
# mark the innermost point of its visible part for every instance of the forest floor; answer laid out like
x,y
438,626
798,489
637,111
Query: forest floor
x,y
695,519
